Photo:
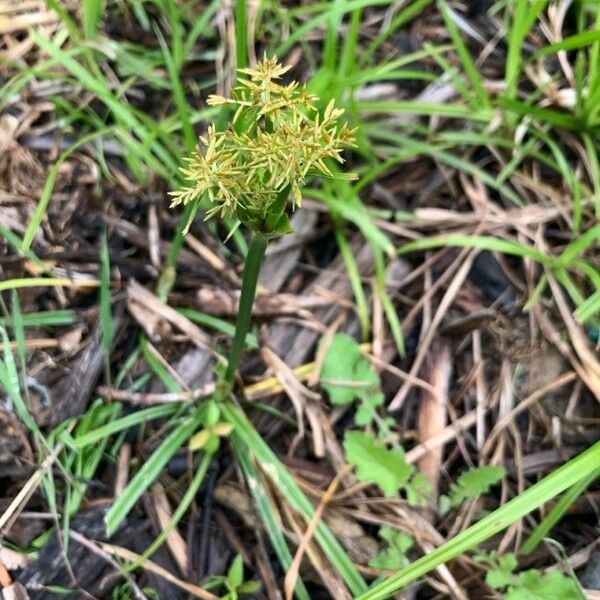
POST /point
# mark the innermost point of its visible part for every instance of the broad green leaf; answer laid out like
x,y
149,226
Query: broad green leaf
x,y
502,574
376,464
340,371
554,585
235,574
347,375
475,482
561,479
419,491
393,556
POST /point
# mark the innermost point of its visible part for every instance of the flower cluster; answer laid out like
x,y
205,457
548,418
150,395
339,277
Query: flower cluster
x,y
277,139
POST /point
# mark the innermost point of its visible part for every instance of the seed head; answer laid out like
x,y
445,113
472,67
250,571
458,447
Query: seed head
x,y
276,140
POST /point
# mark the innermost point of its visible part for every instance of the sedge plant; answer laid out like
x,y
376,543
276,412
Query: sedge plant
x,y
254,170
253,173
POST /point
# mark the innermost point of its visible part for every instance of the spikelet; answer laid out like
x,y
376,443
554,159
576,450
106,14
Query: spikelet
x,y
275,141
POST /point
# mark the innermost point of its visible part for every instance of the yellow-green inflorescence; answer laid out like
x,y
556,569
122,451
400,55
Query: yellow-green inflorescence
x,y
276,140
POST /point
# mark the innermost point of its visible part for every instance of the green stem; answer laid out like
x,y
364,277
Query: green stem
x,y
241,34
167,277
557,512
256,251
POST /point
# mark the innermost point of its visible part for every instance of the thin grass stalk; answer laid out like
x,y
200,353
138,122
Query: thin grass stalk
x,y
256,252
557,512
241,34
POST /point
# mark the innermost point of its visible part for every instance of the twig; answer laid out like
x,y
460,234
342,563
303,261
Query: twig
x,y
14,508
432,414
152,567
447,300
92,547
292,574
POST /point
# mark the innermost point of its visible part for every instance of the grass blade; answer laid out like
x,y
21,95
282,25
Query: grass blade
x,y
481,97
136,418
264,506
557,511
184,503
105,300
354,277
589,308
48,318
281,478
148,473
241,34
27,282
579,40
217,324
566,476
92,11
19,332
477,241
183,109
9,380
42,206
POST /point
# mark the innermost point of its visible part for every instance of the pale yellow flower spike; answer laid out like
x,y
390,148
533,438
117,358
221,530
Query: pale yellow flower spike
x,y
276,141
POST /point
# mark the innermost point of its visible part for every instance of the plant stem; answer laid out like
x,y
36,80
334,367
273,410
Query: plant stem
x,y
256,251
241,34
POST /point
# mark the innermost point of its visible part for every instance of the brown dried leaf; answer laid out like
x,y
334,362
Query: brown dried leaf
x,y
175,542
